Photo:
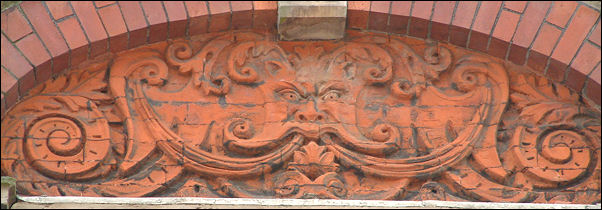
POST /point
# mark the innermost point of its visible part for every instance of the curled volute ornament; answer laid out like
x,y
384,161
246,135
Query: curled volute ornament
x,y
373,63
239,114
423,70
437,59
241,128
245,64
200,65
146,67
403,88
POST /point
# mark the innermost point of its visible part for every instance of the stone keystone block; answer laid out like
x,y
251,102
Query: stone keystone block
x,y
9,194
311,20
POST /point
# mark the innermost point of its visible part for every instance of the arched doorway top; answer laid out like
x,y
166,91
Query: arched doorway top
x,y
419,101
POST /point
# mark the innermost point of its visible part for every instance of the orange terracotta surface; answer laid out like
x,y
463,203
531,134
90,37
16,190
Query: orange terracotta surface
x,y
240,114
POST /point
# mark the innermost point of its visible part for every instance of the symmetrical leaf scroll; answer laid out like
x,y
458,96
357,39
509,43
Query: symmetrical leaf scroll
x,y
238,114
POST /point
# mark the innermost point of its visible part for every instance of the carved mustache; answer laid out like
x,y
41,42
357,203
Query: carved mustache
x,y
239,137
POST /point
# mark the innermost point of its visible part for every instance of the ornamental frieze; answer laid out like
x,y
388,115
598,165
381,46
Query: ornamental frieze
x,y
238,114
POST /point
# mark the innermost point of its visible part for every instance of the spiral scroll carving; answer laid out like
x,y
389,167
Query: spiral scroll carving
x,y
557,147
239,114
381,133
403,89
73,153
242,129
554,157
64,144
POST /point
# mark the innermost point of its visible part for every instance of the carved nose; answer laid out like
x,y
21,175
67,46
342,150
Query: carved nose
x,y
310,116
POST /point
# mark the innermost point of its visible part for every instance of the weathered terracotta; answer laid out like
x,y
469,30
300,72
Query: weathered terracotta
x,y
239,114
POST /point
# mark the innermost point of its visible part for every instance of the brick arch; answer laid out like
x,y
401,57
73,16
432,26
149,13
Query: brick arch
x,y
560,40
40,39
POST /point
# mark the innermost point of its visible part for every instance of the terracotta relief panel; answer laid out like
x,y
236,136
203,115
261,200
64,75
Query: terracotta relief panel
x,y
240,115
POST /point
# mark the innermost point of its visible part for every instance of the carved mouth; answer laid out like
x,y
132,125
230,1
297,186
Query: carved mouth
x,y
310,131
315,132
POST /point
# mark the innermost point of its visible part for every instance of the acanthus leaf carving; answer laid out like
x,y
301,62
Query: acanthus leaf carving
x,y
240,115
313,161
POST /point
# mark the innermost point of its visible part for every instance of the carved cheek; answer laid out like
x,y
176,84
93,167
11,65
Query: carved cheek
x,y
339,112
277,111
284,110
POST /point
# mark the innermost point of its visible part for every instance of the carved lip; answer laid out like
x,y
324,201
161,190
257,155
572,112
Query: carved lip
x,y
316,132
308,130
313,131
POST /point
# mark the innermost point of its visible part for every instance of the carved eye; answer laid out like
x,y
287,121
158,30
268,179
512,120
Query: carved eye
x,y
331,96
290,95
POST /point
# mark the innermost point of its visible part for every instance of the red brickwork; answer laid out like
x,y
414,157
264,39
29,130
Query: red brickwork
x,y
244,115
199,109
44,38
560,40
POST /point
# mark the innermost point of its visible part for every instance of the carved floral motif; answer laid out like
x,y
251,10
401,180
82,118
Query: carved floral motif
x,y
240,115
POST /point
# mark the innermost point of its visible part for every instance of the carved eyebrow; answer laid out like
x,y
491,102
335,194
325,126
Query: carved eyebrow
x,y
281,85
332,85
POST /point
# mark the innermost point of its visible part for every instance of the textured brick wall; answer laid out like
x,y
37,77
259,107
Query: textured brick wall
x,y
40,39
560,40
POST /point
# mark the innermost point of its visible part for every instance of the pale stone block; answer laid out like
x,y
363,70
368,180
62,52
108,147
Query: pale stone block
x,y
9,194
311,20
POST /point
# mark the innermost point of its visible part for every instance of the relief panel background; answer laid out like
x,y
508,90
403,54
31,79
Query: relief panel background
x,y
239,114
